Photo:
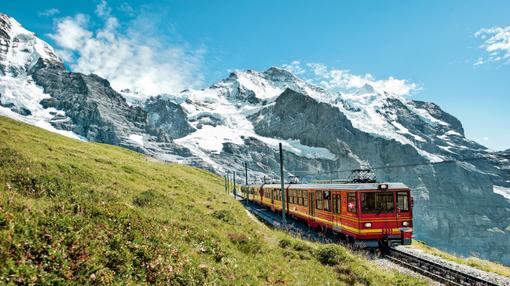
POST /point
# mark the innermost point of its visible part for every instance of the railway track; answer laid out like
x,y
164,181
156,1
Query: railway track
x,y
435,271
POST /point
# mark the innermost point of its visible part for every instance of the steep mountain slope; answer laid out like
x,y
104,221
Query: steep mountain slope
x,y
78,213
36,88
460,206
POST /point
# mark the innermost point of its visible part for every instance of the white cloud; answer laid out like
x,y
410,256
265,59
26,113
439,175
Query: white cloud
x,y
127,9
49,12
103,10
496,44
134,57
294,67
71,34
343,80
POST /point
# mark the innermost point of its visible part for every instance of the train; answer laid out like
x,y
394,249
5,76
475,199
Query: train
x,y
365,214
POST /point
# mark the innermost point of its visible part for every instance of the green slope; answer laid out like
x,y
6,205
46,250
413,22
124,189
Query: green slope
x,y
85,213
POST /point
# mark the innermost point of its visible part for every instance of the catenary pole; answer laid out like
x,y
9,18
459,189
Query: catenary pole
x,y
234,190
226,188
228,182
246,180
282,186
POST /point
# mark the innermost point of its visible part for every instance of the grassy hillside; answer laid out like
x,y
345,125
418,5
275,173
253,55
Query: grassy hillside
x,y
85,213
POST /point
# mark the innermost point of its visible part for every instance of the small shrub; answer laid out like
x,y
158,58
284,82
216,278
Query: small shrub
x,y
331,255
36,186
148,198
284,243
246,244
224,215
346,274
301,246
290,254
304,256
3,221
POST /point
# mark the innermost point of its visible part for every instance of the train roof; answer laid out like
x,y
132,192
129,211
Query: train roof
x,y
353,187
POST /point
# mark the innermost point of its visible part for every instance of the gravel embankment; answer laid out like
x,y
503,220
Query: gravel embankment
x,y
488,276
387,264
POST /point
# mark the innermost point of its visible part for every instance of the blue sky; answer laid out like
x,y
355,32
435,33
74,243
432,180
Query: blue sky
x,y
429,43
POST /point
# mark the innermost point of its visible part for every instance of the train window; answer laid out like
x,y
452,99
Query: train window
x,y
380,202
326,196
293,196
302,197
351,202
336,203
402,201
305,198
318,200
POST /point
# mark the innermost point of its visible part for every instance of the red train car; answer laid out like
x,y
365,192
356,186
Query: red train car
x,y
368,214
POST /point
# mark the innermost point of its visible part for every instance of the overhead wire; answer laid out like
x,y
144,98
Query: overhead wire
x,y
469,159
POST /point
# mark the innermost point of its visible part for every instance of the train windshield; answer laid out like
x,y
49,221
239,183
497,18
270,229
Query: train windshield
x,y
377,202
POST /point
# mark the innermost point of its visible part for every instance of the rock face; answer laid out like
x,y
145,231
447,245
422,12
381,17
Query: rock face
x,y
168,117
94,109
460,187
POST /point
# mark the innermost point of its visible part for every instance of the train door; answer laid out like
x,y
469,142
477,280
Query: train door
x,y
311,204
337,209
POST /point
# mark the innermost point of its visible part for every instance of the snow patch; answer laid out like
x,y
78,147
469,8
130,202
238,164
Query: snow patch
x,y
295,146
505,192
211,138
453,133
22,93
24,48
401,129
138,139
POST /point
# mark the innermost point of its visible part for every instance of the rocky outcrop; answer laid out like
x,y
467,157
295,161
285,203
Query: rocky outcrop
x,y
167,117
436,111
95,110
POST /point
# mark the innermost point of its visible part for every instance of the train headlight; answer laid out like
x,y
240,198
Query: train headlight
x,y
405,223
368,224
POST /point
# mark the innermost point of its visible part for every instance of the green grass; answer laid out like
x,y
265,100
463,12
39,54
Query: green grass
x,y
475,262
85,213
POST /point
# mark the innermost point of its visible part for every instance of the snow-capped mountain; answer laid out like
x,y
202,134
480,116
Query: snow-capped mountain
x,y
460,206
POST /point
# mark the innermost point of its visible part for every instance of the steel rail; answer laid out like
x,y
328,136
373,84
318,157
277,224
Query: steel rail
x,y
435,271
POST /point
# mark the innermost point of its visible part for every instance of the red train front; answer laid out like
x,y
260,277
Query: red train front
x,y
368,214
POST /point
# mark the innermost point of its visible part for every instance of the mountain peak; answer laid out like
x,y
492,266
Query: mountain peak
x,y
20,49
278,71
